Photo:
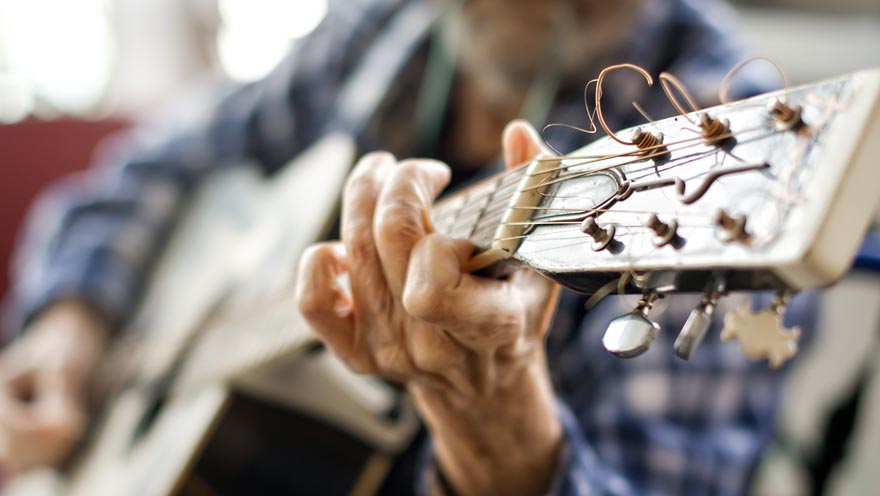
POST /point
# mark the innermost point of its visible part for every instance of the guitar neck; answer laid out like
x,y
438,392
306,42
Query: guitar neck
x,y
494,214
476,212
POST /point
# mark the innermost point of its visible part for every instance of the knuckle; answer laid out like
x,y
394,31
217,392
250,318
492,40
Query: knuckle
x,y
392,360
360,241
357,184
430,358
402,220
314,256
308,304
424,301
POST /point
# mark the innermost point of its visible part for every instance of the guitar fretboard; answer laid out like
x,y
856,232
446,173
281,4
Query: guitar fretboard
x,y
476,212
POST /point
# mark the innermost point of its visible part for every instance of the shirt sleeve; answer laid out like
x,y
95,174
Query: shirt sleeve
x,y
95,236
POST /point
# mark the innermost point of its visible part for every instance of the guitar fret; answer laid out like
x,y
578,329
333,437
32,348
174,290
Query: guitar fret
x,y
475,213
485,205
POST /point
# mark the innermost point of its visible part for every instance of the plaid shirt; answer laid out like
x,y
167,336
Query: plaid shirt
x,y
655,424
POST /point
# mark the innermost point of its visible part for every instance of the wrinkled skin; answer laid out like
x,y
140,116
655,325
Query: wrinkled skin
x,y
468,348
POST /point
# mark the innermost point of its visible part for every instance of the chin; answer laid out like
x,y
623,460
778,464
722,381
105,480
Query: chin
x,y
504,43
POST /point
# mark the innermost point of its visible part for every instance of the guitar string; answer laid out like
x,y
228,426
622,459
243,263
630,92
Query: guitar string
x,y
679,162
483,222
624,211
661,153
494,202
637,154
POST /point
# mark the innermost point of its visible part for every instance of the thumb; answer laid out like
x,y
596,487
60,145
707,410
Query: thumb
x,y
521,143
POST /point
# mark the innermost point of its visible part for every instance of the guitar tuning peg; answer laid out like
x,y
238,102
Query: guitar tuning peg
x,y
732,227
699,320
664,232
785,116
602,236
631,334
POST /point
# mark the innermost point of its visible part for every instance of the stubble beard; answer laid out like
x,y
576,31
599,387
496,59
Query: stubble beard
x,y
504,44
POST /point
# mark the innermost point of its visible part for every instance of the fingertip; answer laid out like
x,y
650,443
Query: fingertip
x,y
367,168
376,158
521,143
437,173
319,267
441,172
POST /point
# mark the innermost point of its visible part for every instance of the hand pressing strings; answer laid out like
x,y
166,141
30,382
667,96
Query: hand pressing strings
x,y
413,314
468,348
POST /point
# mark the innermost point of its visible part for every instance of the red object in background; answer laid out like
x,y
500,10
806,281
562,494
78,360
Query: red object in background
x,y
32,154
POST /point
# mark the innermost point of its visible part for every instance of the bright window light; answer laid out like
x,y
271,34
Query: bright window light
x,y
16,99
257,33
61,48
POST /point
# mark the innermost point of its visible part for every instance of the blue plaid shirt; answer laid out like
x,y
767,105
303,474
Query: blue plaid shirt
x,y
655,425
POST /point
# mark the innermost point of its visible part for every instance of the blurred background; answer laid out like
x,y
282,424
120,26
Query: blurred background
x,y
73,71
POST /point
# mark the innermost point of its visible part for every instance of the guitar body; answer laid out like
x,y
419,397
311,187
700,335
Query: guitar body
x,y
118,458
237,247
157,462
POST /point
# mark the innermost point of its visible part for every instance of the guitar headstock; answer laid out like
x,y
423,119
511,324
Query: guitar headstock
x,y
772,192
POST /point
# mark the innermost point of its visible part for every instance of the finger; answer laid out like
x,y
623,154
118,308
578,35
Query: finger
x,y
521,143
327,306
368,287
479,312
403,215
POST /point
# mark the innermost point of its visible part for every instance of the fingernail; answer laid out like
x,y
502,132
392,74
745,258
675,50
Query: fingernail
x,y
438,170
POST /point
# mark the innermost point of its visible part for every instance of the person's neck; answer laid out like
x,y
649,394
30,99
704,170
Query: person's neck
x,y
478,118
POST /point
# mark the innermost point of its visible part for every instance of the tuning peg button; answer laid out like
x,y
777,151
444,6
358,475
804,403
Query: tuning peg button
x,y
700,319
631,334
693,331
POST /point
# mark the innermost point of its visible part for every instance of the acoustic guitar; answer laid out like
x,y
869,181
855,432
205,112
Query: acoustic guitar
x,y
774,192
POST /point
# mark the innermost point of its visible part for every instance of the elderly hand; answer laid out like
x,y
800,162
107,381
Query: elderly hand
x,y
42,385
470,349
